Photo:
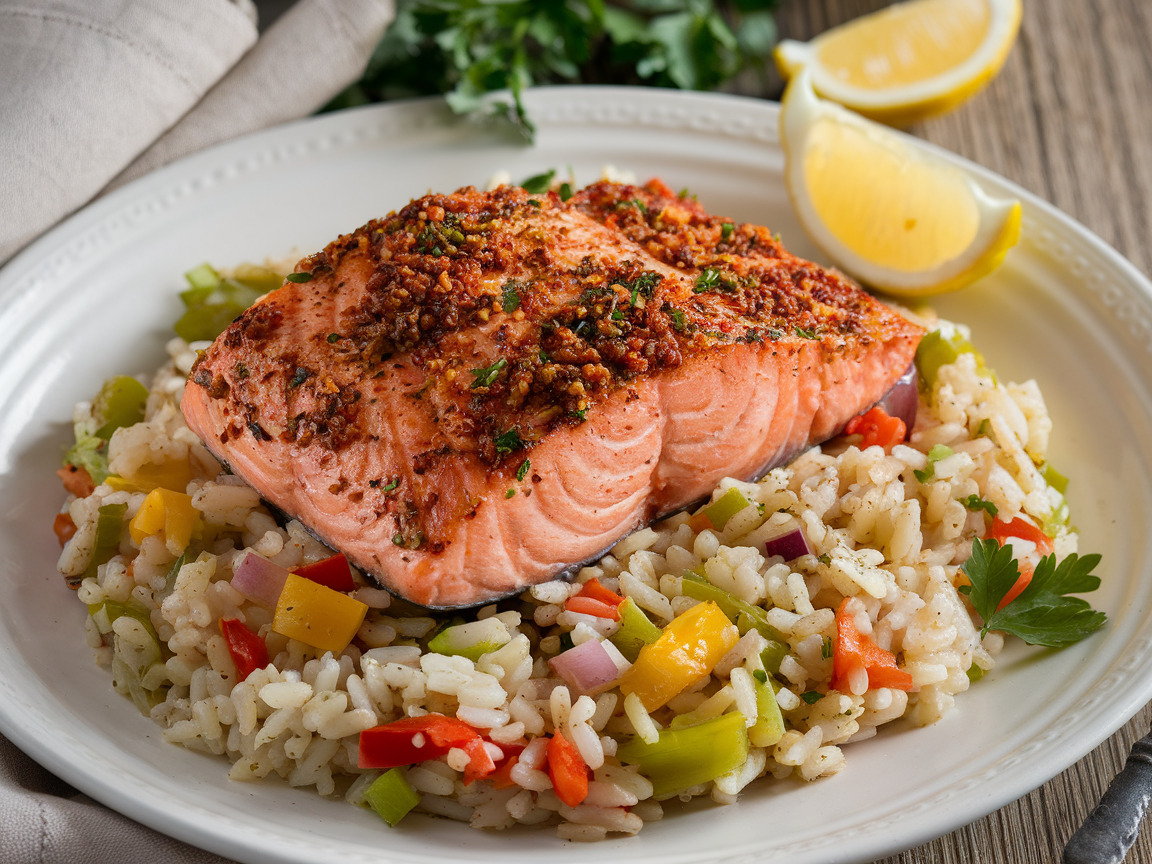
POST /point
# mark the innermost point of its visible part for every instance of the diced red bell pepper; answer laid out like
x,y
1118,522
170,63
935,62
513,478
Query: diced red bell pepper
x,y
877,427
77,481
1002,532
332,573
593,589
64,527
590,606
853,649
392,745
249,652
501,778
568,770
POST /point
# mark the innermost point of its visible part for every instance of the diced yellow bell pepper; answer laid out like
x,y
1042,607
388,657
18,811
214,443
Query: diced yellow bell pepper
x,y
688,649
174,475
167,511
316,615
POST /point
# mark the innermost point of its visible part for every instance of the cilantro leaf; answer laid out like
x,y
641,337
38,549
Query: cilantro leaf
x,y
1042,614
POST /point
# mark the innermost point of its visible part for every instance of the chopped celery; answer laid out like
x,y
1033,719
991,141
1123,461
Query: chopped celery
x,y
258,278
132,608
683,758
109,524
1054,478
725,507
472,640
212,303
772,656
769,726
936,350
938,452
120,402
744,615
203,277
635,631
391,796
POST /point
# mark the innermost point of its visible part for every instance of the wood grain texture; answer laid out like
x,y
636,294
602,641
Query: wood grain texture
x,y
1070,119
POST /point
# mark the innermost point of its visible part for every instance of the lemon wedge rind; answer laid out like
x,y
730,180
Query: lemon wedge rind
x,y
862,223
907,103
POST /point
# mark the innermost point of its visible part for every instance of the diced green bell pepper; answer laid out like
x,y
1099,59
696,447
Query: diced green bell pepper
x,y
725,507
472,640
769,726
212,303
773,655
936,350
635,630
683,758
120,402
744,615
109,524
391,796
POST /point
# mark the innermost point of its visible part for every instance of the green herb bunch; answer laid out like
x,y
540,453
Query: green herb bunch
x,y
467,49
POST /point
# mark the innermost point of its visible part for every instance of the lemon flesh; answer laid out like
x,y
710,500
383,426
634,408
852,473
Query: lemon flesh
x,y
909,61
884,209
853,176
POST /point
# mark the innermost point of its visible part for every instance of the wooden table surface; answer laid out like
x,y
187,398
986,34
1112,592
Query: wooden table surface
x,y
1069,118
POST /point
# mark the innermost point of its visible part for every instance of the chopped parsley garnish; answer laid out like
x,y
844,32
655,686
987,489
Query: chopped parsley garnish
x,y
544,356
299,377
510,296
825,559
803,333
507,442
632,202
566,641
812,696
938,452
760,675
617,315
1042,614
532,202
486,376
774,334
565,191
677,319
826,648
299,277
985,427
975,502
241,370
509,493
539,183
395,482
522,471
644,284
580,415
333,337
708,279
726,230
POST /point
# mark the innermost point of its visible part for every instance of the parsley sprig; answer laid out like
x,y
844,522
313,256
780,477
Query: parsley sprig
x,y
467,49
1042,614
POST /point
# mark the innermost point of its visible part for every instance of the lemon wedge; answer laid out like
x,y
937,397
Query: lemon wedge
x,y
886,211
908,61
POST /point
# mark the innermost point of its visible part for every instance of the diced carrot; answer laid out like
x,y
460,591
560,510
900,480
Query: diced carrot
x,y
77,481
852,649
877,427
568,771
501,778
593,589
64,527
590,606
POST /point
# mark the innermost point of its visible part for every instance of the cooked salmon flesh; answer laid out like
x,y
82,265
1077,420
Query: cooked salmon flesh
x,y
485,390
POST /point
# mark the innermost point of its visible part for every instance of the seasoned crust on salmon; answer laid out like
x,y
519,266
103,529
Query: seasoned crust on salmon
x,y
475,393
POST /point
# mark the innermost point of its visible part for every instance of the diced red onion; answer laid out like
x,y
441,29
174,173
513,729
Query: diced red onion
x,y
904,397
259,580
788,546
587,667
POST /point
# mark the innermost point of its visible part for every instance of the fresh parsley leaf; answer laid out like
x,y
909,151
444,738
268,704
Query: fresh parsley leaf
x,y
938,452
508,441
726,230
299,277
975,502
487,376
538,183
509,493
522,471
395,482
580,415
333,338
565,191
1042,614
510,296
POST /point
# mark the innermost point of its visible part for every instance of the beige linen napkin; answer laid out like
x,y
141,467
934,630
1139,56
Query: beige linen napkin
x,y
94,93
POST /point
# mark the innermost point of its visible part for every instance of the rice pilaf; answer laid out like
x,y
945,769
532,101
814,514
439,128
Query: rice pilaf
x,y
887,532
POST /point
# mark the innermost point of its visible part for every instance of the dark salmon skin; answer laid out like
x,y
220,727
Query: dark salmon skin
x,y
485,389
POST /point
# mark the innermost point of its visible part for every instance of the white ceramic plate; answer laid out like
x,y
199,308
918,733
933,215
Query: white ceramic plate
x,y
97,297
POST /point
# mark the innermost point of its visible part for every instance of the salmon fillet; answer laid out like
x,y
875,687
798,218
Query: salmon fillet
x,y
485,390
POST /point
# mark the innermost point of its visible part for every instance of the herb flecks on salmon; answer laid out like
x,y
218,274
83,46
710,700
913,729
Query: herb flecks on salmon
x,y
634,346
